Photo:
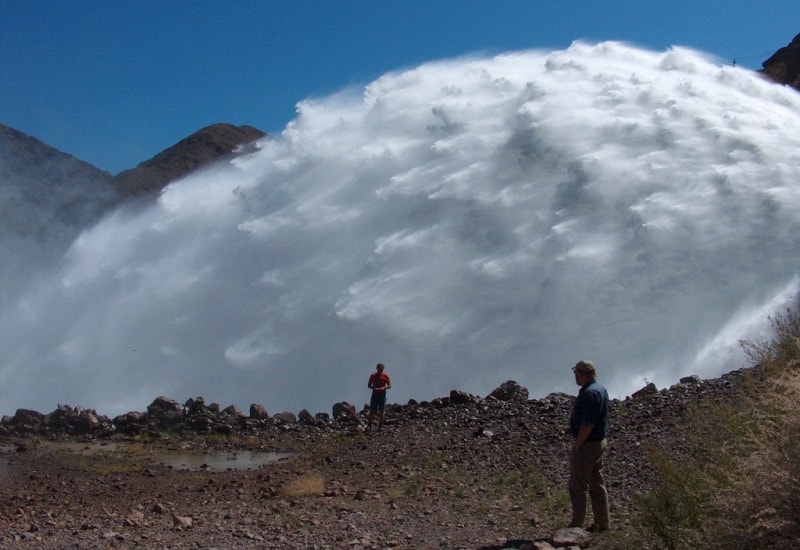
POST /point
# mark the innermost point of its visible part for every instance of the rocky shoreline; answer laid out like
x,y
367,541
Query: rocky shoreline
x,y
460,471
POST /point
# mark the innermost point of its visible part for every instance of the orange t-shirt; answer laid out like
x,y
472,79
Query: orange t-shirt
x,y
378,381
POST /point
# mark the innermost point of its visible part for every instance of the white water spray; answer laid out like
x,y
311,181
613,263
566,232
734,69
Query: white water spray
x,y
465,222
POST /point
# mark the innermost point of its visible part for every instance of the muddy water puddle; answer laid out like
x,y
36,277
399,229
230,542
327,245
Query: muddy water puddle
x,y
240,460
178,459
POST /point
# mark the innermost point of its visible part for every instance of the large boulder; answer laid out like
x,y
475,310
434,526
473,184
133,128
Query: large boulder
x,y
458,397
234,412
285,417
165,412
509,391
258,412
345,412
305,417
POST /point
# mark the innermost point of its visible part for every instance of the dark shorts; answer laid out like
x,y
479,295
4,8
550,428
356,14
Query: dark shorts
x,y
378,401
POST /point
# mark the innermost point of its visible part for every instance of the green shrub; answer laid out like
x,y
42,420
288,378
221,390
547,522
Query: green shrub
x,y
734,485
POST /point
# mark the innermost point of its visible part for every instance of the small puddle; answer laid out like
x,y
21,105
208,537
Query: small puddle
x,y
180,460
240,460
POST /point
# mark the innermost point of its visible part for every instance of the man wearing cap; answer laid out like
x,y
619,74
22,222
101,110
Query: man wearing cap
x,y
588,424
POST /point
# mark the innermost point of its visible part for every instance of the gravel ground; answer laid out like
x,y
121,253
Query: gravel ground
x,y
484,474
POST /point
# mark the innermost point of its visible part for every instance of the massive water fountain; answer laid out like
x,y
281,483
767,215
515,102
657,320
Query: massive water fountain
x,y
466,222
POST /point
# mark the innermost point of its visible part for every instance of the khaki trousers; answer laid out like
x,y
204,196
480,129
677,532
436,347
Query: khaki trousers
x,y
586,474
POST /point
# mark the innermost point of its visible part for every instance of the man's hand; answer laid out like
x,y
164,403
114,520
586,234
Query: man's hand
x,y
583,434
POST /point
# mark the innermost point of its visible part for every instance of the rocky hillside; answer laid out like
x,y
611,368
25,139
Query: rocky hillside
x,y
460,471
784,65
44,191
199,149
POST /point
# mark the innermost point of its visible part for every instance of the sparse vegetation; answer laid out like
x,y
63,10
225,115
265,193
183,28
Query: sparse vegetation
x,y
734,483
304,485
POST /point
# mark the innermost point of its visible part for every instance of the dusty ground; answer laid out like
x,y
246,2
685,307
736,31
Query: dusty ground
x,y
343,491
489,475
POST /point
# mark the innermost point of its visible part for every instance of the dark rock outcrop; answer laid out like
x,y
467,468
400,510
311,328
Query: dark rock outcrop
x,y
784,65
77,421
65,420
203,147
26,420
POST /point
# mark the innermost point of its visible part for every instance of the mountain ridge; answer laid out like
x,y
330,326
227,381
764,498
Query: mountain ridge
x,y
199,149
30,163
46,194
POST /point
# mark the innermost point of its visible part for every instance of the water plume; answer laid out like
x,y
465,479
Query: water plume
x,y
466,222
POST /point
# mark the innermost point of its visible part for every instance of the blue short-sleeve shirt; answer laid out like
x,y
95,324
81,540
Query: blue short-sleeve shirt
x,y
591,407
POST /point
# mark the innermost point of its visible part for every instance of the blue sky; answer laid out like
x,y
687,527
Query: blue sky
x,y
114,82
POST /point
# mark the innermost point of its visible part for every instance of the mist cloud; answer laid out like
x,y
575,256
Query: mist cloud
x,y
465,222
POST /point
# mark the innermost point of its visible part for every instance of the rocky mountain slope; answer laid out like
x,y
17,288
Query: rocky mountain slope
x,y
203,147
36,178
46,192
47,197
784,65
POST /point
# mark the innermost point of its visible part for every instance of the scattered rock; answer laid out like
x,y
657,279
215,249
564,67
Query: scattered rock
x,y
181,522
134,519
571,536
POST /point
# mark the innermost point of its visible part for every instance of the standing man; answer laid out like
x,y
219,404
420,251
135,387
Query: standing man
x,y
588,424
378,382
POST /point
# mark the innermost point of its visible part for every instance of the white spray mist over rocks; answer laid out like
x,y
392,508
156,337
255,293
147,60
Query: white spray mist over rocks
x,y
465,222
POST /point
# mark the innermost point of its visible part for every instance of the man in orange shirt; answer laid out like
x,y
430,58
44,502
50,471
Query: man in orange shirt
x,y
378,382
